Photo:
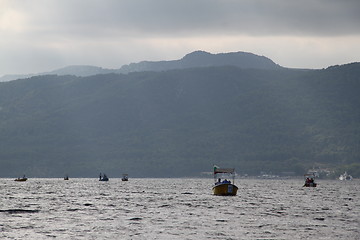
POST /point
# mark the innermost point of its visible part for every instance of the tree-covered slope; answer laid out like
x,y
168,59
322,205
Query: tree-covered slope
x,y
180,122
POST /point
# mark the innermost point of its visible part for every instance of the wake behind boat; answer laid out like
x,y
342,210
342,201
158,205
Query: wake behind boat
x,y
224,187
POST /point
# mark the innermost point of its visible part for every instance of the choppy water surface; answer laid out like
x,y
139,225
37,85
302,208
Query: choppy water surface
x,y
177,209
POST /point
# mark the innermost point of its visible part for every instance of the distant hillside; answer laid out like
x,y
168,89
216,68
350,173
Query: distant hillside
x,y
11,77
75,70
180,122
204,59
192,60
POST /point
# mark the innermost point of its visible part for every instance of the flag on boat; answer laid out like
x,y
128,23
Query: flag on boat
x,y
215,167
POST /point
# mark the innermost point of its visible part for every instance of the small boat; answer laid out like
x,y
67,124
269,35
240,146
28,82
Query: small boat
x,y
345,177
310,180
103,177
125,177
224,187
23,179
66,177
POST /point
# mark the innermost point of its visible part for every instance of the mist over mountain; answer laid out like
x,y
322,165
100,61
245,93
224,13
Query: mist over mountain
x,y
80,71
191,60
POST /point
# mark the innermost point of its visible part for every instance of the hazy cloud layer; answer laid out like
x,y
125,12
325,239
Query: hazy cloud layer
x,y
39,35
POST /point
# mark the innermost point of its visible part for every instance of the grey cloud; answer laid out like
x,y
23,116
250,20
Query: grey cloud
x,y
253,17
108,33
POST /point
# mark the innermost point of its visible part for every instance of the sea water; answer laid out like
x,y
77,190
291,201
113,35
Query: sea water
x,y
178,209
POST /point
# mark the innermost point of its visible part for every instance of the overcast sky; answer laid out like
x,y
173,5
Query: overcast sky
x,y
43,35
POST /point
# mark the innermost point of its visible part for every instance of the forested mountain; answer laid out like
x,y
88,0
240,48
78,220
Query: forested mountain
x,y
204,59
181,122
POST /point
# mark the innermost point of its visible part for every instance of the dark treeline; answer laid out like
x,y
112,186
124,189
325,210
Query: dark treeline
x,y
180,122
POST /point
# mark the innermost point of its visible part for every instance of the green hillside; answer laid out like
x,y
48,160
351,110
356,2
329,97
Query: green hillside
x,y
180,122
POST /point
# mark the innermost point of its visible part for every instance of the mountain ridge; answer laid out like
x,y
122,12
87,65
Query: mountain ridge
x,y
204,59
193,59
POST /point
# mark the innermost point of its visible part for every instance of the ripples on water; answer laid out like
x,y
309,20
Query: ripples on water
x,y
177,209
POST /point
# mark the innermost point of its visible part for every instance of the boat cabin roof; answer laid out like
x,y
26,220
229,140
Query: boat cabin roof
x,y
224,170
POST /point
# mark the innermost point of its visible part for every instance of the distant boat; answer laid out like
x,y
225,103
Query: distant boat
x,y
125,177
103,177
345,177
23,179
224,187
66,177
309,180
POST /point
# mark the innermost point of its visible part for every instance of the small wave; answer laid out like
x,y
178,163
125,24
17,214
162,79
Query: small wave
x,y
187,193
50,192
73,209
15,211
221,220
165,205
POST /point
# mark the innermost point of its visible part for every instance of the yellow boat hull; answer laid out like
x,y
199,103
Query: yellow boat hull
x,y
225,189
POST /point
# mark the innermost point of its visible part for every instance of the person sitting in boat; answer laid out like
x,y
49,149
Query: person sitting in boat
x,y
226,181
218,182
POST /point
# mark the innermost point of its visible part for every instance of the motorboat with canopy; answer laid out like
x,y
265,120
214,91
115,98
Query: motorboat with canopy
x,y
125,177
103,177
21,179
223,186
309,180
345,177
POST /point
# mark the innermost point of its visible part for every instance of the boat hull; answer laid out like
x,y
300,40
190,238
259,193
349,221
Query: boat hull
x,y
225,189
20,179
